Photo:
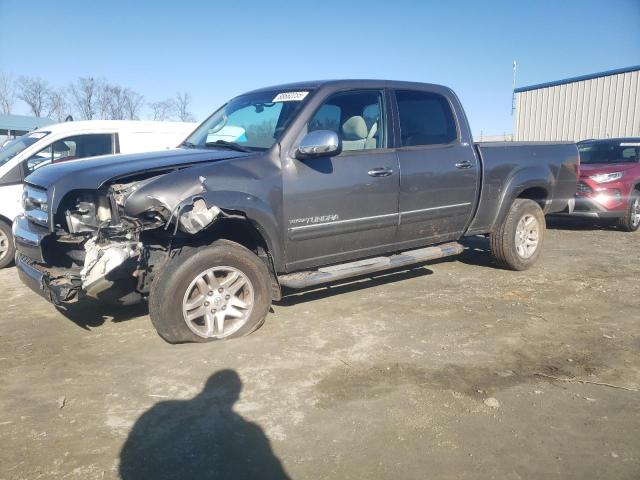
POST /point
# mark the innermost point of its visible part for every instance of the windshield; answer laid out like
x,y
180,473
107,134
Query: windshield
x,y
252,122
15,146
609,152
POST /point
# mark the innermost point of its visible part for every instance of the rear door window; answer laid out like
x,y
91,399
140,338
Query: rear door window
x,y
425,119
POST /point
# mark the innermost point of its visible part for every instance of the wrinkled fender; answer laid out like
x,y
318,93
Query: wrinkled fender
x,y
258,212
498,195
251,186
521,180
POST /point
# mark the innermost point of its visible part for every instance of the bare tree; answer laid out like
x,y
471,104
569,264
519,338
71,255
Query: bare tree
x,y
57,104
182,107
34,92
103,101
84,96
111,102
163,110
133,103
7,92
117,103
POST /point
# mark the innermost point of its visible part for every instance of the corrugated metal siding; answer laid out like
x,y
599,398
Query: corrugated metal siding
x,y
601,107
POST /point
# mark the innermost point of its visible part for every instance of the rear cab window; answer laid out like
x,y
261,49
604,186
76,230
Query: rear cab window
x,y
426,118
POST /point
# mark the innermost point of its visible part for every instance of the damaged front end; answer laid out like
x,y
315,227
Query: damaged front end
x,y
109,244
103,259
59,286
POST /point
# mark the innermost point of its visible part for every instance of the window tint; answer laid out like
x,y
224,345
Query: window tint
x,y
70,148
17,145
608,152
255,120
425,119
357,118
629,154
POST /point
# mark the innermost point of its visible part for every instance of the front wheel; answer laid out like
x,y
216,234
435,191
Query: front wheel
x,y
516,243
210,293
631,220
7,249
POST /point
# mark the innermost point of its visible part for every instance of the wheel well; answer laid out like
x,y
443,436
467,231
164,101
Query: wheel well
x,y
537,194
245,233
5,220
241,231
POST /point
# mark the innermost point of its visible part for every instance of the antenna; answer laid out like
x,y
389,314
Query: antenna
x,y
513,93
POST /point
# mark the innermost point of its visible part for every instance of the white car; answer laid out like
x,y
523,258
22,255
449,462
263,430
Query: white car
x,y
71,141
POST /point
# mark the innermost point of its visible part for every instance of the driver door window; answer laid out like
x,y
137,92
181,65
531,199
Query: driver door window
x,y
355,116
71,148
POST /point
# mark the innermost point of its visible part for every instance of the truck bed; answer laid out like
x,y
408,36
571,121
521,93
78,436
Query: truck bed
x,y
508,168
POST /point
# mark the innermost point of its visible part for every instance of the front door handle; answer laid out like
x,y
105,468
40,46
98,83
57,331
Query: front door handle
x,y
380,172
463,165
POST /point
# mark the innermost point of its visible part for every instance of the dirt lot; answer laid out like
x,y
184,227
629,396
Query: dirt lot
x,y
452,370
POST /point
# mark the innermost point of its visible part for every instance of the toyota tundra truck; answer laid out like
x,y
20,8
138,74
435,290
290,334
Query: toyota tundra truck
x,y
282,188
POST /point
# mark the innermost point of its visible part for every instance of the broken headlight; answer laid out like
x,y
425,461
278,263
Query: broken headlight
x,y
87,212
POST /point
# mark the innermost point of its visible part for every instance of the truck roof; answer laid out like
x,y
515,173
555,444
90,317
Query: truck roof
x,y
348,83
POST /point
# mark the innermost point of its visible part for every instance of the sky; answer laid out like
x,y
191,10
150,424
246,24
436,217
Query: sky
x,y
215,50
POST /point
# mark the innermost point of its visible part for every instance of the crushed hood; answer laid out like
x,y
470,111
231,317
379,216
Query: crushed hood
x,y
92,173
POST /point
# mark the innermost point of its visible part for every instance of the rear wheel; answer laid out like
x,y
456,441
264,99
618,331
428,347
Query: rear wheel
x,y
210,293
516,243
7,249
631,220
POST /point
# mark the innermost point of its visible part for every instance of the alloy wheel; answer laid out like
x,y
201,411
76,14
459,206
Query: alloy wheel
x,y
218,302
527,236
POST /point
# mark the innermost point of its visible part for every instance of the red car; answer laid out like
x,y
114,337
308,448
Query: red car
x,y
609,184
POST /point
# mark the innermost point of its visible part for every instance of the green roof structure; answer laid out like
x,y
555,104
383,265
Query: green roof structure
x,y
14,125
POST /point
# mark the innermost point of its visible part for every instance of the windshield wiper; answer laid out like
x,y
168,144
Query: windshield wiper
x,y
230,145
188,144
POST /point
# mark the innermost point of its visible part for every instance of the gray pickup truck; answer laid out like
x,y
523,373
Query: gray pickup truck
x,y
289,186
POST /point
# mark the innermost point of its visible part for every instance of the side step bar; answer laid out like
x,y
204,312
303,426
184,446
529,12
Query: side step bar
x,y
309,278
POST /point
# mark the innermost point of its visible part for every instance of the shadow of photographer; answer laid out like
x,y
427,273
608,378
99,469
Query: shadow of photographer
x,y
199,438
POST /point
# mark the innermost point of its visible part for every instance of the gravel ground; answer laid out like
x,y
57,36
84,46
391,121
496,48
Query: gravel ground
x,y
455,369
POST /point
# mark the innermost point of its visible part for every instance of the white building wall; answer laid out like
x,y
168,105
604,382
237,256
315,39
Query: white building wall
x,y
602,107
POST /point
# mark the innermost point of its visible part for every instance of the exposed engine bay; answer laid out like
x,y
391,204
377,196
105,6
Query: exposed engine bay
x,y
122,232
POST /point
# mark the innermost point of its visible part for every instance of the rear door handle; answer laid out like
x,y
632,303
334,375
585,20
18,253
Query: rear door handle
x,y
380,172
464,164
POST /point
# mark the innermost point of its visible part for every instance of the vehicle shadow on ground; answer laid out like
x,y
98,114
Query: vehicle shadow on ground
x,y
199,438
578,224
293,297
477,251
90,313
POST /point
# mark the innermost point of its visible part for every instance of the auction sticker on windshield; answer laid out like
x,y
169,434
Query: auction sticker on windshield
x,y
290,96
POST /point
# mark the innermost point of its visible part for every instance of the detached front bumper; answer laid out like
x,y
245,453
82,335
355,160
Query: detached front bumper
x,y
57,285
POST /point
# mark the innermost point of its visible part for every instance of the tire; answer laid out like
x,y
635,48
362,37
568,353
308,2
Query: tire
x,y
513,248
7,248
186,281
631,220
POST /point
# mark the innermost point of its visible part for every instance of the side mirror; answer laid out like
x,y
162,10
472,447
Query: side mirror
x,y
321,143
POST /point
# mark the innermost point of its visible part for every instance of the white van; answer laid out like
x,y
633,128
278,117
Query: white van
x,y
71,141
